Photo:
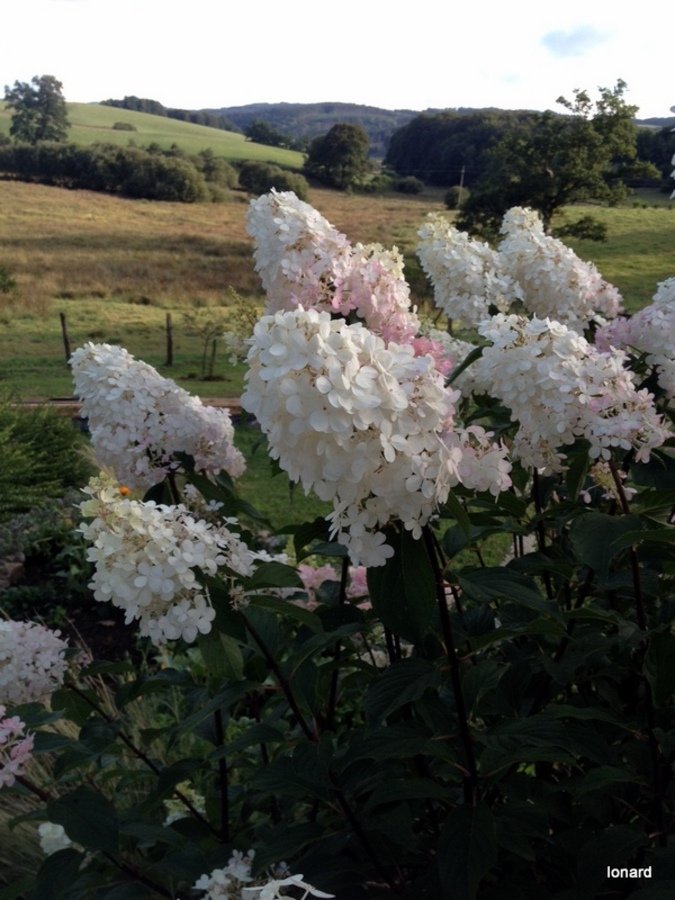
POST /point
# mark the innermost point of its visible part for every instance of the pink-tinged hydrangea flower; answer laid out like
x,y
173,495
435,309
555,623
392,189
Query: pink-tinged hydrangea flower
x,y
16,748
651,332
553,281
362,423
560,388
147,557
313,577
303,261
138,420
32,661
468,275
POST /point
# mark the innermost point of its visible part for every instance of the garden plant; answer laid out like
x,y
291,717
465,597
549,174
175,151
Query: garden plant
x,y
457,685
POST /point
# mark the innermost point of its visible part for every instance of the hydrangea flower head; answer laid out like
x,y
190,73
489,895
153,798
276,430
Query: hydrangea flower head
x,y
553,281
16,748
651,332
303,261
468,276
560,388
364,423
32,661
138,419
147,557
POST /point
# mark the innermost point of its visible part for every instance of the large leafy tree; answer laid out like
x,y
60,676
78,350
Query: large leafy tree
x,y
586,153
340,157
38,110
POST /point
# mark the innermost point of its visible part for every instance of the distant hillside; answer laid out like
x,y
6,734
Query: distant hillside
x,y
92,123
308,120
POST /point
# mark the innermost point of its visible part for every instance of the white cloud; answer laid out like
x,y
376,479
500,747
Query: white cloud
x,y
573,42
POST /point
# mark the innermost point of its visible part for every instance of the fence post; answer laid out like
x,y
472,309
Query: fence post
x,y
66,339
169,341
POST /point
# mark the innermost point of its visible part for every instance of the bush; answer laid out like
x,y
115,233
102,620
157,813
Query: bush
x,y
409,185
456,196
41,457
150,174
124,126
259,178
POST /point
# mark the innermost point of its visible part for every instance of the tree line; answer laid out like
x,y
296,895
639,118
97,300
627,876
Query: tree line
x,y
155,108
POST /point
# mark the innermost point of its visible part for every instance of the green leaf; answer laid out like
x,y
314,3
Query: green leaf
x,y
56,875
616,846
222,656
593,536
470,358
500,583
480,680
74,706
399,790
17,890
288,609
453,506
467,850
88,818
403,591
401,683
274,575
658,666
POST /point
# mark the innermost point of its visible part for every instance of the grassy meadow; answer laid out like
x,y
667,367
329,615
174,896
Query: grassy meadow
x,y
92,123
116,266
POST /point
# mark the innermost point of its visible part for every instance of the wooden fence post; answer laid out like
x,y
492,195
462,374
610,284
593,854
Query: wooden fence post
x,y
66,339
169,341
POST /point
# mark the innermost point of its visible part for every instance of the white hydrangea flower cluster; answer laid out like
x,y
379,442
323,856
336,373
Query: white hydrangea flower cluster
x,y
138,419
16,748
554,282
32,661
176,808
650,331
468,275
53,838
147,555
529,267
363,423
227,883
303,261
560,388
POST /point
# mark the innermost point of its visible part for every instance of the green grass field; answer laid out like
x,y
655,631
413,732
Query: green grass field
x,y
92,123
115,267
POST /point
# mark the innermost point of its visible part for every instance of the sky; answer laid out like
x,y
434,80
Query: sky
x,y
196,54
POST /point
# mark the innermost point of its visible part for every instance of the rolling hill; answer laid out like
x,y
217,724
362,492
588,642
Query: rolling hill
x,y
92,123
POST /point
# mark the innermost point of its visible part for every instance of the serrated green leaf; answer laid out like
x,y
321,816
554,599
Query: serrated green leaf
x,y
88,818
273,575
467,850
594,536
403,591
403,682
658,666
501,583
289,610
222,657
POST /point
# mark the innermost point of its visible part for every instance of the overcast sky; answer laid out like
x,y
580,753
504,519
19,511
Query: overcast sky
x,y
425,53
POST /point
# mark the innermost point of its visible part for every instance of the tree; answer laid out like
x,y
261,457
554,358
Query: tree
x,y
340,157
39,110
559,159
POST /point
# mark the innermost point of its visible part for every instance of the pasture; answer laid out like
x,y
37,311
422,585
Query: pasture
x,y
92,123
115,267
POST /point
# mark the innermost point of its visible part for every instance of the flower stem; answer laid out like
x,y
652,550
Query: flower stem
x,y
471,780
222,769
284,683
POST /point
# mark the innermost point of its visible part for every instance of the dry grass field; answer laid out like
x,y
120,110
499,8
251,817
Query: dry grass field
x,y
115,267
